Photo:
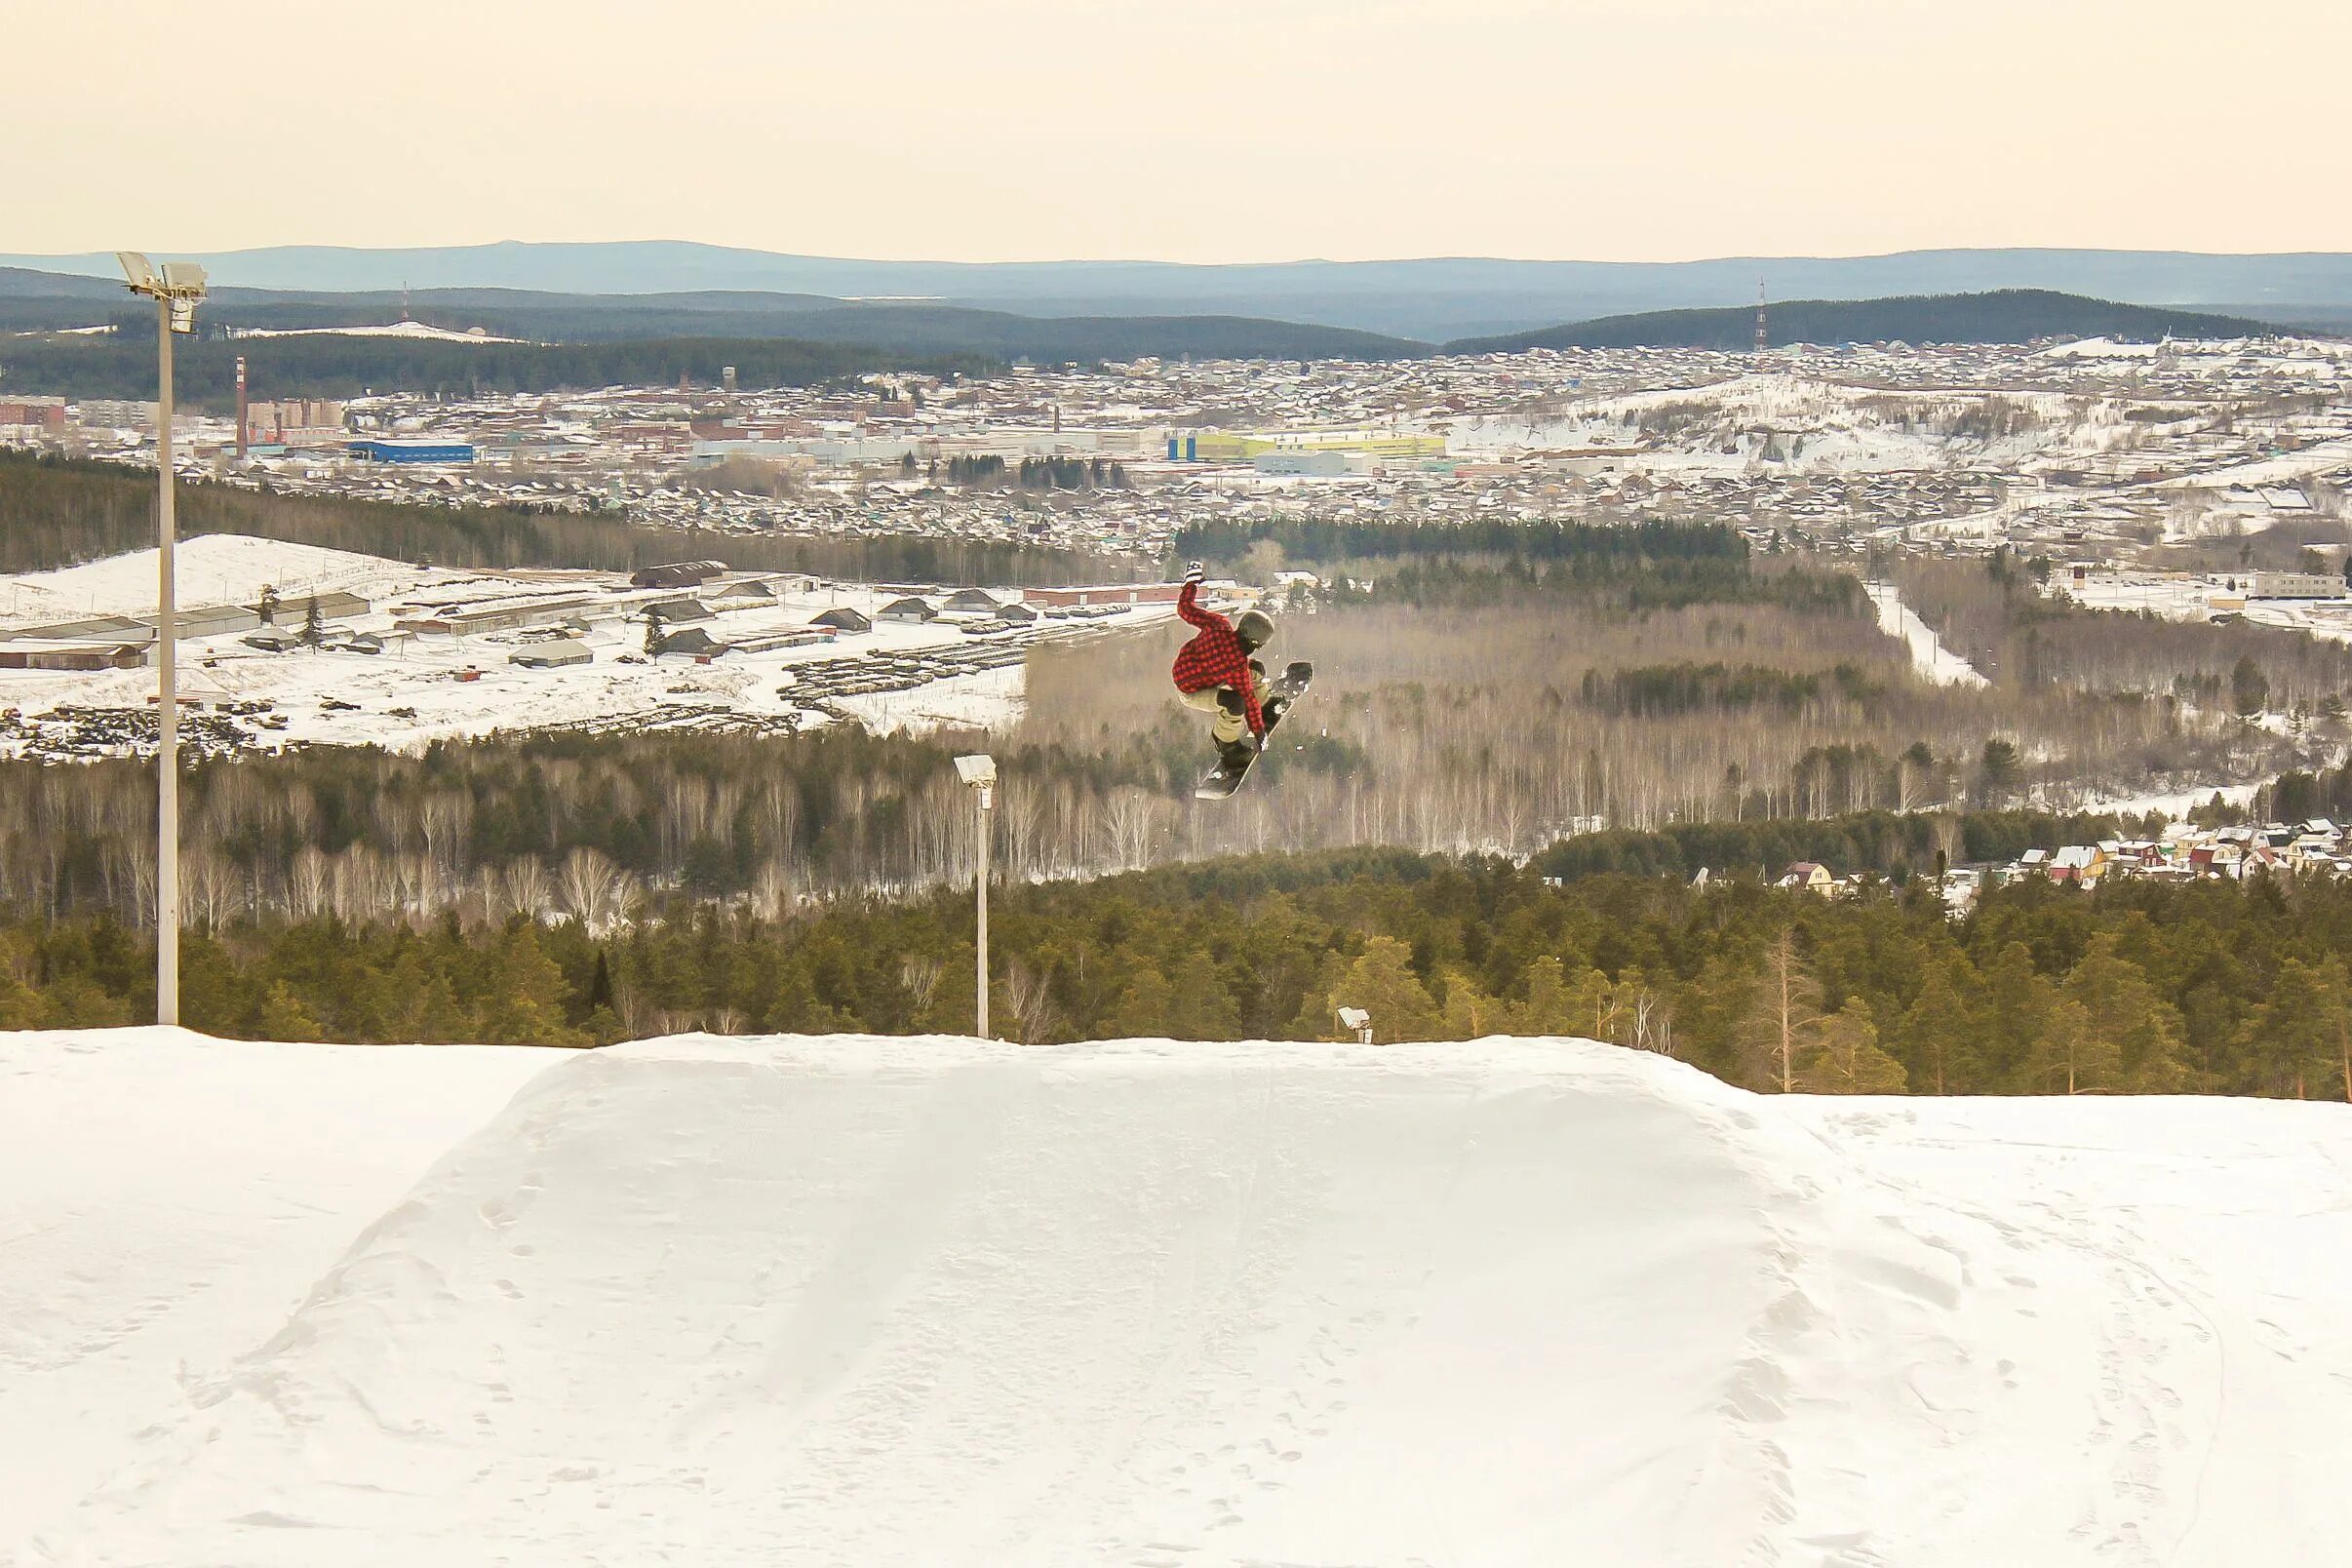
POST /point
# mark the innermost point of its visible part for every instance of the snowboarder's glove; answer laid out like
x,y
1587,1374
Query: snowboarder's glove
x,y
1194,572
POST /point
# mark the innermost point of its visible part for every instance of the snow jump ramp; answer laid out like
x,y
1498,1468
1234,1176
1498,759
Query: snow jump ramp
x,y
852,1301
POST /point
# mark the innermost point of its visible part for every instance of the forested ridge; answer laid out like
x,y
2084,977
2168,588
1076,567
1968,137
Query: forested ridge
x,y
1996,316
2211,987
57,512
331,364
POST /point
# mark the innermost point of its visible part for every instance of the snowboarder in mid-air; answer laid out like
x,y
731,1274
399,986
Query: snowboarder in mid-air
x,y
1216,674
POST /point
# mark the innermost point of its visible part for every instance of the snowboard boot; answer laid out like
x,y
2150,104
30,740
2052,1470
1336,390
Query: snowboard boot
x,y
1236,755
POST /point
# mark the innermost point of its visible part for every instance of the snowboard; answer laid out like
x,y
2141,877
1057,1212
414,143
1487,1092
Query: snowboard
x,y
1274,701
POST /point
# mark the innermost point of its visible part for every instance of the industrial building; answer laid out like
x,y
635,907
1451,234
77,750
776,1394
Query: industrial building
x,y
1243,445
74,656
678,574
373,450
554,655
46,412
506,618
295,422
844,619
2295,586
1150,593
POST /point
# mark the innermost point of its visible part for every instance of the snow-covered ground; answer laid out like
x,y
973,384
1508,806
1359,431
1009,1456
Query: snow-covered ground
x,y
165,1201
1721,428
218,569
722,1302
424,688
1936,663
414,330
2175,805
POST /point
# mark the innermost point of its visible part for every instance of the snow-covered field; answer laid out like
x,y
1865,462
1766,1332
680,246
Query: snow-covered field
x,y
845,1300
426,687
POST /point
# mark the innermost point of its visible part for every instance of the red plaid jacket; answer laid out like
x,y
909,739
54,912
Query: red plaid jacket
x,y
1215,658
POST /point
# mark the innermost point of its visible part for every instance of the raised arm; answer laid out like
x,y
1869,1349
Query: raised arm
x,y
1188,602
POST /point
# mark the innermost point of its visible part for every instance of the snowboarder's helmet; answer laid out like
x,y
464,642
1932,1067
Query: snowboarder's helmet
x,y
1254,630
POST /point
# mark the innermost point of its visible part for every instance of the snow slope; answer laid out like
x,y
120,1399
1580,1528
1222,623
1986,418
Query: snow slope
x,y
213,568
165,1201
416,329
1934,663
723,1302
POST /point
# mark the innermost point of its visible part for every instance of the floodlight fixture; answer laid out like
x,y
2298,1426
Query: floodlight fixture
x,y
978,771
176,289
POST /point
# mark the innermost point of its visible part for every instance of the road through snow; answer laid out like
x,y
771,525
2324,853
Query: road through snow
x,y
844,1300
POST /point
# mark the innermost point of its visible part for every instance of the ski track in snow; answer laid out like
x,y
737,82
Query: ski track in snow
x,y
721,1302
1934,663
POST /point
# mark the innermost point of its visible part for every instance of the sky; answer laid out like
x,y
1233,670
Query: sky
x,y
1201,131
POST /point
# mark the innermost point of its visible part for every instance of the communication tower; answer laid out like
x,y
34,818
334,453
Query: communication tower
x,y
1763,324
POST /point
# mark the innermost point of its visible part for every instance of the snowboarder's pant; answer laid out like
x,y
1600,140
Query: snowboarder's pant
x,y
1225,727
1231,721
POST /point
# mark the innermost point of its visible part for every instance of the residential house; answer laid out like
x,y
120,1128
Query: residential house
x,y
1810,876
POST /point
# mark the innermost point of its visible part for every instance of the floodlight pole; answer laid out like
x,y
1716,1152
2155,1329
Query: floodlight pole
x,y
984,792
167,674
176,291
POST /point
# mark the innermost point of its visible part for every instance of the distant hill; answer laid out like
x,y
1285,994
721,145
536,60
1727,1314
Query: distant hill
x,y
2003,315
575,341
1431,299
37,302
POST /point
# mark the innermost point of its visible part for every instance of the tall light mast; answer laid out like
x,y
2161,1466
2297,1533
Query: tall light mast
x,y
176,291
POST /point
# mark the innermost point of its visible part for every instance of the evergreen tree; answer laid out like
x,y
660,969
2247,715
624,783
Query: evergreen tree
x,y
1844,1056
314,624
1941,1036
1468,1012
1202,1004
2069,1056
1558,1002
2016,997
524,999
1383,984
2295,1040
21,1007
2248,687
2001,763
284,1017
2123,1012
1146,1009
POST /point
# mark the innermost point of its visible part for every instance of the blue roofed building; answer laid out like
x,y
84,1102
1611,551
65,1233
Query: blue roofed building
x,y
411,452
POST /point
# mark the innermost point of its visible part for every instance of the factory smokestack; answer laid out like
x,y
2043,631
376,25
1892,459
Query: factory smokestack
x,y
241,407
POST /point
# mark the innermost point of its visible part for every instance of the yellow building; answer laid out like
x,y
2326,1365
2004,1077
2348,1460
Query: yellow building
x,y
1241,445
